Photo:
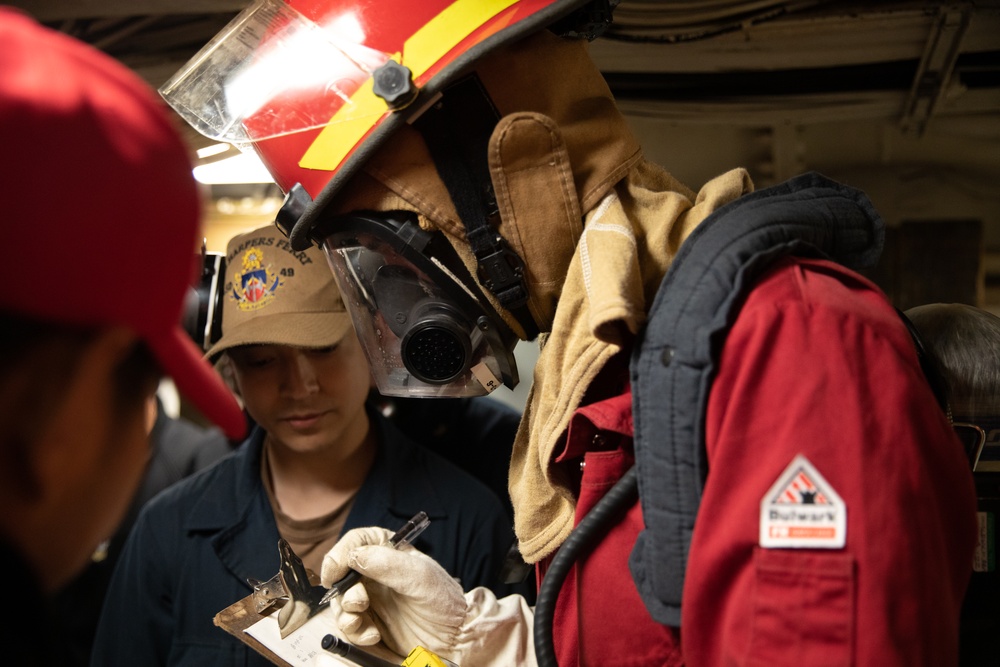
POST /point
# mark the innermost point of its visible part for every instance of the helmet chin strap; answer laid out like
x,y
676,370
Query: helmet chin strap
x,y
457,130
540,209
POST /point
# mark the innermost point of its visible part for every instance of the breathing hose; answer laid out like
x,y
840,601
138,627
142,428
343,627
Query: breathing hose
x,y
591,528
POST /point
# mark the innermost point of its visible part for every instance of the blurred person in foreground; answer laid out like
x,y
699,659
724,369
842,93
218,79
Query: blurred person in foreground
x,y
729,453
95,182
319,461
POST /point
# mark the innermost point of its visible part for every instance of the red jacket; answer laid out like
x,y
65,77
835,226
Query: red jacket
x,y
818,365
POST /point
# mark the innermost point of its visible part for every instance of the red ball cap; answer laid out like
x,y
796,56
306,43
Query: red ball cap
x,y
101,212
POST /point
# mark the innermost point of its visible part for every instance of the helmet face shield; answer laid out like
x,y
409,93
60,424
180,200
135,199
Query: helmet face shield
x,y
307,83
424,330
275,73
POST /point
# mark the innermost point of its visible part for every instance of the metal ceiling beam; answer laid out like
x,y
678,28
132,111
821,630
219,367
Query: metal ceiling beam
x,y
884,34
936,66
65,10
793,41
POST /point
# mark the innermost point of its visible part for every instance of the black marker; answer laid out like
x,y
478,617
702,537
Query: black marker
x,y
338,646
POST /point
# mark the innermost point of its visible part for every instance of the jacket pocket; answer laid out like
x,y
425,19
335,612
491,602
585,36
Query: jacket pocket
x,y
803,609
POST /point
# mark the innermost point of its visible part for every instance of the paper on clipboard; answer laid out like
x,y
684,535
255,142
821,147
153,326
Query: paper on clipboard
x,y
302,646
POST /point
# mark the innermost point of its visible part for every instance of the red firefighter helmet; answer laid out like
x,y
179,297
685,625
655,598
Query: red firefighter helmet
x,y
313,87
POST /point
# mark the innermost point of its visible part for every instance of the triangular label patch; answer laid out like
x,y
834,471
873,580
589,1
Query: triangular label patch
x,y
802,511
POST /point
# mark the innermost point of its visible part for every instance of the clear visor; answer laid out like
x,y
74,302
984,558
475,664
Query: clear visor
x,y
418,339
273,72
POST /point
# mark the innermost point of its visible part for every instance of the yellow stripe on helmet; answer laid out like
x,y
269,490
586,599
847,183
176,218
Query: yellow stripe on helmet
x,y
421,51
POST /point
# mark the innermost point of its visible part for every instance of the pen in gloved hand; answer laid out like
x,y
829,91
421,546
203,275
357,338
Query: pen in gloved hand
x,y
404,535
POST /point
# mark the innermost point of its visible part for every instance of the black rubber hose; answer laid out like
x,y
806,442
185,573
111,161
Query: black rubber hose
x,y
592,527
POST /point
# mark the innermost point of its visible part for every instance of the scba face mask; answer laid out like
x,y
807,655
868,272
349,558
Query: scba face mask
x,y
425,328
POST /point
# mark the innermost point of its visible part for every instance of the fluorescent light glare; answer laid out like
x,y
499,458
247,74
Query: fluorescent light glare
x,y
214,149
242,168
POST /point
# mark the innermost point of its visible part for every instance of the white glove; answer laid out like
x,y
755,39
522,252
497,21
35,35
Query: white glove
x,y
405,599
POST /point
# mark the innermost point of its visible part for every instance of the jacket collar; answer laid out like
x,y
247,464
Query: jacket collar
x,y
238,512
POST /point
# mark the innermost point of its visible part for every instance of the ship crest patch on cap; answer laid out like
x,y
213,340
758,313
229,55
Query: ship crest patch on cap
x,y
255,286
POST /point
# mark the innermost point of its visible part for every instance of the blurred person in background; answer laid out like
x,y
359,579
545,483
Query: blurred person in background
x,y
963,343
475,433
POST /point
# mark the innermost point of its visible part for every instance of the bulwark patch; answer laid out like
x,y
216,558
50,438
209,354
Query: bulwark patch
x,y
802,511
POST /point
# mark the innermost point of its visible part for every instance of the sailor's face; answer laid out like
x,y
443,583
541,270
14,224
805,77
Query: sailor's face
x,y
306,399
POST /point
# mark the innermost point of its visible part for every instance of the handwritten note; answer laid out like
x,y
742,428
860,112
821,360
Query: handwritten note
x,y
302,647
